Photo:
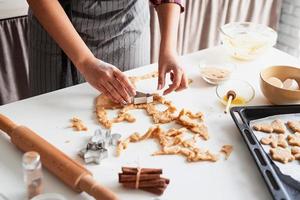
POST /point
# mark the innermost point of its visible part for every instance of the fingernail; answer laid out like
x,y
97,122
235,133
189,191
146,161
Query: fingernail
x,y
133,92
159,87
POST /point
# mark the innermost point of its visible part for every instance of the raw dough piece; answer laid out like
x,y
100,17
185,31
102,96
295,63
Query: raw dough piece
x,y
296,152
281,155
162,117
103,101
136,137
294,140
78,125
192,155
266,128
275,141
204,156
277,126
172,150
227,149
294,126
175,132
154,74
135,79
102,117
193,122
172,142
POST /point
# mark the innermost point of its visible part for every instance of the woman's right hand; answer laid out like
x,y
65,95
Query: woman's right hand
x,y
109,80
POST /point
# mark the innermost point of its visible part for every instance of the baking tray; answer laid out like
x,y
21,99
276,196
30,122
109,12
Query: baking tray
x,y
281,187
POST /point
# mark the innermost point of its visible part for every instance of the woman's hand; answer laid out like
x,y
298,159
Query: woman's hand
x,y
168,63
109,80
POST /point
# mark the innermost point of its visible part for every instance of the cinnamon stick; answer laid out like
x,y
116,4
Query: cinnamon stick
x,y
143,177
132,170
148,179
147,183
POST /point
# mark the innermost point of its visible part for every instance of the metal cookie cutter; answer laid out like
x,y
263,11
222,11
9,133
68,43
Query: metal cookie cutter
x,y
141,97
115,138
95,150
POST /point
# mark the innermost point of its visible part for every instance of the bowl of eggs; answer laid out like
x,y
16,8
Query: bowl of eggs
x,y
280,84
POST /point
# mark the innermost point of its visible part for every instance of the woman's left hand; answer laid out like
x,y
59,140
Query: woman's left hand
x,y
169,63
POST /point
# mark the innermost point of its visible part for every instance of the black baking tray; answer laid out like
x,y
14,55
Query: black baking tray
x,y
281,187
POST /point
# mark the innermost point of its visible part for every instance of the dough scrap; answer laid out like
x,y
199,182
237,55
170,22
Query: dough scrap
x,y
193,122
154,74
172,142
281,155
204,156
162,117
294,140
227,149
294,126
135,79
102,101
77,124
275,141
136,137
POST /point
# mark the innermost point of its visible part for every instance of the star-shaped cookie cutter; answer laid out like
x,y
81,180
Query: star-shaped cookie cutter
x,y
96,148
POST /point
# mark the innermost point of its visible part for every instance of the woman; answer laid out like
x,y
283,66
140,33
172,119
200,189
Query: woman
x,y
94,40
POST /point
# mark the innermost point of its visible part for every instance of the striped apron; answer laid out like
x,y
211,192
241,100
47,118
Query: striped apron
x,y
116,31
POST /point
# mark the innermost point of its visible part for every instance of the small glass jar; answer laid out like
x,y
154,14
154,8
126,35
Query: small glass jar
x,y
32,171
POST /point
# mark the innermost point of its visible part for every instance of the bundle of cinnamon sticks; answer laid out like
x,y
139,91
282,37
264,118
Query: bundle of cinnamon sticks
x,y
147,179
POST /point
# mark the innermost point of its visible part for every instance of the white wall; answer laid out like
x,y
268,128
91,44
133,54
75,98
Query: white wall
x,y
12,8
289,28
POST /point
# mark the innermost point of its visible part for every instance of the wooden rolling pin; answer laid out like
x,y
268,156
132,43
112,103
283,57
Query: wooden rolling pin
x,y
69,171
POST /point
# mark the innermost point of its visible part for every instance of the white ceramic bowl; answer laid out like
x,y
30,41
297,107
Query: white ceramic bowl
x,y
216,73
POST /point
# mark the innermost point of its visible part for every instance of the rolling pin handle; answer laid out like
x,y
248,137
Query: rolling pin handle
x,y
6,125
99,192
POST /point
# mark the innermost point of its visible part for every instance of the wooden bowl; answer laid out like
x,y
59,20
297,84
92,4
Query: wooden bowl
x,y
276,95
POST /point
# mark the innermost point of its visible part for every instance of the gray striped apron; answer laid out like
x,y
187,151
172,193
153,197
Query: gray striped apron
x,y
116,31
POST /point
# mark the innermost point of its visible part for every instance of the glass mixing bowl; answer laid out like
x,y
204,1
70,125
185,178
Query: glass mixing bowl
x,y
246,40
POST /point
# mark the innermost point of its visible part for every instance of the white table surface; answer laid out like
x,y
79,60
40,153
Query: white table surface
x,y
13,8
237,178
